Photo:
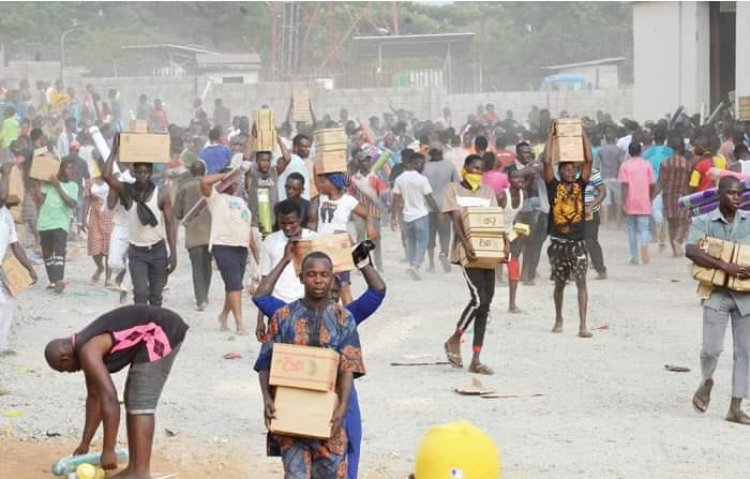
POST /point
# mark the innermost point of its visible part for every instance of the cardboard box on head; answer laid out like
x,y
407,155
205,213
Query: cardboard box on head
x,y
144,148
301,105
337,246
44,166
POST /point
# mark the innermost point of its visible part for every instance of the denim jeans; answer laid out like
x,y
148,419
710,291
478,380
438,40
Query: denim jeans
x,y
148,271
638,234
417,235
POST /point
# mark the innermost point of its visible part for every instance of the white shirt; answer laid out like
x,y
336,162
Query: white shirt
x,y
333,215
288,288
230,220
413,187
298,165
7,231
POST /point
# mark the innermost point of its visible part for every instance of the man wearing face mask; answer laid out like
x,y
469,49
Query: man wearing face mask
x,y
150,221
481,282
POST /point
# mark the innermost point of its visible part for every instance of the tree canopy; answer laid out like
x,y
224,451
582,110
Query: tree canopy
x,y
513,39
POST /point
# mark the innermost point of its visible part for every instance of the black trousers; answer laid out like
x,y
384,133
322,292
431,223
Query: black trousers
x,y
591,236
54,246
148,271
200,260
481,284
532,250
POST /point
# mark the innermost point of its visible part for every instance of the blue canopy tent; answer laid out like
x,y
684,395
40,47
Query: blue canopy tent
x,y
574,81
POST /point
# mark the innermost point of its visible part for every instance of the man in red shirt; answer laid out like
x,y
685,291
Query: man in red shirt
x,y
159,122
701,178
503,157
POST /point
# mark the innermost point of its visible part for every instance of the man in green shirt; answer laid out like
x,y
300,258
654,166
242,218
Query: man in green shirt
x,y
9,128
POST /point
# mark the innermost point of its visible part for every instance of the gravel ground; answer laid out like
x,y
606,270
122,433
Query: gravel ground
x,y
606,406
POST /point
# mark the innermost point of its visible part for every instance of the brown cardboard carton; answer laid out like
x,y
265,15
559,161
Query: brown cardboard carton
x,y
567,149
487,247
44,166
301,105
266,140
304,367
337,246
483,221
144,148
740,257
264,120
569,127
744,101
138,126
15,276
715,248
16,189
330,136
330,162
305,413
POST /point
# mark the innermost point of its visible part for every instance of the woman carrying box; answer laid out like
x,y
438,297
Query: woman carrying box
x,y
230,238
58,202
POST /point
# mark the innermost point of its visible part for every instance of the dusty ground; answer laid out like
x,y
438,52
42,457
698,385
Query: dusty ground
x,y
608,408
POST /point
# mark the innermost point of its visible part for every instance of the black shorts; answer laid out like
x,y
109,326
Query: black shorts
x,y
567,260
231,261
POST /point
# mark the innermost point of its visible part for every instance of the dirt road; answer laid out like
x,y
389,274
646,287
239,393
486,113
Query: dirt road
x,y
606,406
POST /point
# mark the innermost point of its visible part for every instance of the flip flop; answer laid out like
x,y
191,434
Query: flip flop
x,y
739,417
481,369
700,403
453,358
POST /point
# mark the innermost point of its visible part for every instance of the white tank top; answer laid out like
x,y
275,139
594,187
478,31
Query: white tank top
x,y
509,213
146,235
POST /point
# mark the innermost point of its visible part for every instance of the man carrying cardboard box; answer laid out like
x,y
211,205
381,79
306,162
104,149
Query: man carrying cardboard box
x,y
567,250
730,224
150,221
314,320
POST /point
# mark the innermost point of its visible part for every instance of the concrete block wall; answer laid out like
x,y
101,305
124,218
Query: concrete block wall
x,y
427,103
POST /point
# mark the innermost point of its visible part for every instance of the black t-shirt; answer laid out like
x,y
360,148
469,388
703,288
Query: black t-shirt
x,y
567,209
140,334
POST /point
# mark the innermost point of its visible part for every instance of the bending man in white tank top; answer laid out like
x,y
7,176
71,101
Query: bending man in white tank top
x,y
150,221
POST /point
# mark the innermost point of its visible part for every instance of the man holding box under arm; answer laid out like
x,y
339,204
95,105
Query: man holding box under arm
x,y
730,224
314,321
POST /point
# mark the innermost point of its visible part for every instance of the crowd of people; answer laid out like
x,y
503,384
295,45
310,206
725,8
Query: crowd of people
x,y
243,209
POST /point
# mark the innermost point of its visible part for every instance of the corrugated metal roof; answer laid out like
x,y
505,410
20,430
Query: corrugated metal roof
x,y
585,64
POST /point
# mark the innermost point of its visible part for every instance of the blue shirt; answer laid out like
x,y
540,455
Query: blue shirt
x,y
216,158
361,308
656,155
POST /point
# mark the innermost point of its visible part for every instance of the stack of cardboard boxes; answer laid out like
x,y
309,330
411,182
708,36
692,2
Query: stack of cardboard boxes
x,y
301,105
483,227
568,141
265,129
305,390
330,151
738,254
140,146
337,246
